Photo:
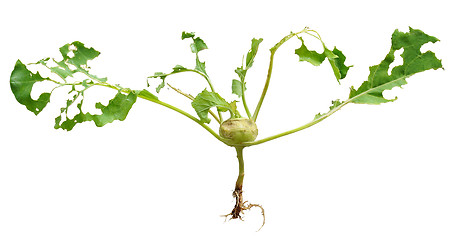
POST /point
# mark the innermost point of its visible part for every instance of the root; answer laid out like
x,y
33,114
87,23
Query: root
x,y
240,206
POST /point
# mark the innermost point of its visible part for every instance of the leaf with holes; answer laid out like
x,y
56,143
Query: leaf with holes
x,y
21,82
414,61
236,131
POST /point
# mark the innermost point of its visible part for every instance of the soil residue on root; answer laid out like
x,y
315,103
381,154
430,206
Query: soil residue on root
x,y
240,206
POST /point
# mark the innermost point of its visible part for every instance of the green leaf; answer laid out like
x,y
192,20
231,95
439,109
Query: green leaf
x,y
21,82
176,69
205,101
146,95
62,72
414,61
237,87
336,59
242,71
198,45
61,69
251,54
77,55
81,54
187,35
200,66
160,86
234,110
161,75
117,109
338,66
335,104
312,57
179,68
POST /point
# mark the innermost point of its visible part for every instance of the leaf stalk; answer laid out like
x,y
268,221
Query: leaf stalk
x,y
249,115
269,71
155,100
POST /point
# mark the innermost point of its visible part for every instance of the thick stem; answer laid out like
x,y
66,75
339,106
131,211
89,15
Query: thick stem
x,y
242,205
240,178
237,194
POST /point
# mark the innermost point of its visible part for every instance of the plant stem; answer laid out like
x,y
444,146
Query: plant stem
x,y
240,178
249,115
266,86
155,100
269,71
205,75
299,128
187,115
192,98
322,117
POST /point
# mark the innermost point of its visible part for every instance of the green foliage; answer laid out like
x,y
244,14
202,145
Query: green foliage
x,y
187,35
206,100
197,45
117,109
76,57
236,132
336,59
200,67
238,86
337,63
79,60
251,54
21,82
335,104
162,76
414,61
312,57
75,61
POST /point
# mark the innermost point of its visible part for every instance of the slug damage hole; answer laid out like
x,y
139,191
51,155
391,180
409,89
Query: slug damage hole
x,y
398,61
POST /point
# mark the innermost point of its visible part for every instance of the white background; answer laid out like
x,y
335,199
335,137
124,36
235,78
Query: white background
x,y
367,172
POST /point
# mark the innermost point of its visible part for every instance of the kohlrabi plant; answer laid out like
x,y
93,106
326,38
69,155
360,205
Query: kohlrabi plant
x,y
238,124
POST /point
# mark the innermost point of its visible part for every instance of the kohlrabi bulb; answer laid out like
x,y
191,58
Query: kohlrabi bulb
x,y
239,130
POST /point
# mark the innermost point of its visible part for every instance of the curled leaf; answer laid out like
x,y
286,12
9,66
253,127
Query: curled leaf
x,y
251,54
336,59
